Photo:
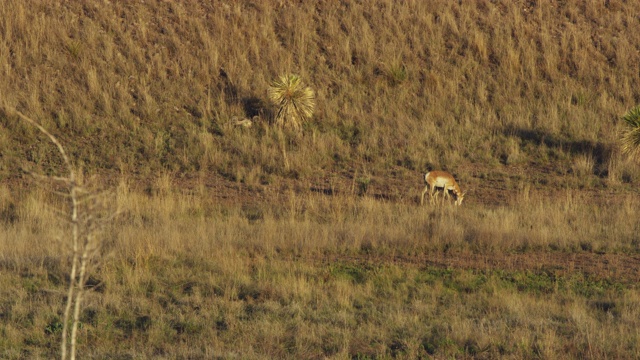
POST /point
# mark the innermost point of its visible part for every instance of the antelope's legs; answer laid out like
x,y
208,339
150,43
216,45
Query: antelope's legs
x,y
433,194
426,188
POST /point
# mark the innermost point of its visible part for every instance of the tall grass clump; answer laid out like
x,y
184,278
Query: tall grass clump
x,y
295,102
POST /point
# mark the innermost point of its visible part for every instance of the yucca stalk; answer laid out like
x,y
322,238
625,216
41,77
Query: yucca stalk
x,y
631,136
294,101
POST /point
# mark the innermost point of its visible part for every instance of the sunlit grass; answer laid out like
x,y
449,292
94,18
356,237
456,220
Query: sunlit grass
x,y
242,242
442,85
351,271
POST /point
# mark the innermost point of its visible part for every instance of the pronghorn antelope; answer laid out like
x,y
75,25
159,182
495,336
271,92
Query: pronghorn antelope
x,y
444,180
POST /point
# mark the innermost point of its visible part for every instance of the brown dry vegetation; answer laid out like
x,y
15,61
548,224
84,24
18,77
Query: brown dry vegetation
x,y
227,249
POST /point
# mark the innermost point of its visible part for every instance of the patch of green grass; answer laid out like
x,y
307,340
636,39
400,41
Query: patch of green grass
x,y
358,274
530,282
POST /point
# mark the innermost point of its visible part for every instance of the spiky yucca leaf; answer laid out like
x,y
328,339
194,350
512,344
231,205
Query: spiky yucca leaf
x,y
295,102
631,137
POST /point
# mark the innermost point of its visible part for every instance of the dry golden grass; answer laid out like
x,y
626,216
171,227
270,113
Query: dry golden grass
x,y
244,243
411,85
336,277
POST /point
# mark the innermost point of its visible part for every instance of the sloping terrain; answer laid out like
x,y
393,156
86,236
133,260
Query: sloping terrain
x,y
478,88
259,243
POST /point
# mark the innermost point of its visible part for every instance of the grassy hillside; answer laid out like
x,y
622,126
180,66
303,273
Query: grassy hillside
x,y
255,243
147,87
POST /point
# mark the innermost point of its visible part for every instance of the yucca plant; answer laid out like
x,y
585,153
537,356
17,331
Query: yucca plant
x,y
295,102
631,136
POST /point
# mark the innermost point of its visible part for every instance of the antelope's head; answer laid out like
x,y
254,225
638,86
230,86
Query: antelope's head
x,y
459,198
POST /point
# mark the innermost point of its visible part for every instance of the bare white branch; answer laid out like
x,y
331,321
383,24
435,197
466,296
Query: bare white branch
x,y
87,215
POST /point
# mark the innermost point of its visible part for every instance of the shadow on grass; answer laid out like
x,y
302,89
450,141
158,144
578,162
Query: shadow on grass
x,y
251,104
600,152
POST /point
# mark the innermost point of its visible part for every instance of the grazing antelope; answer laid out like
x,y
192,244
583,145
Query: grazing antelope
x,y
444,180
